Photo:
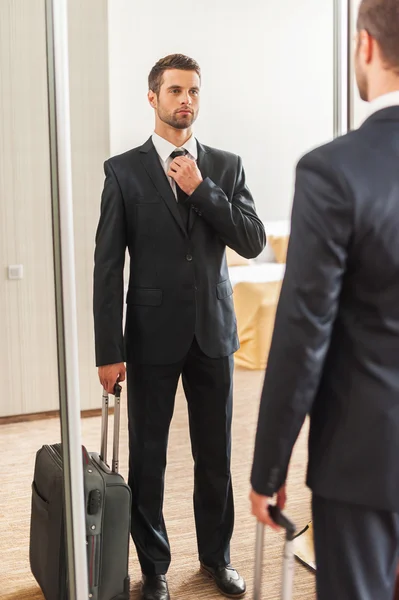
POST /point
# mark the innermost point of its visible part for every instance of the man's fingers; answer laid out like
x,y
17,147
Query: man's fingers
x,y
260,507
175,169
181,160
110,374
181,163
110,387
282,497
264,517
269,521
174,166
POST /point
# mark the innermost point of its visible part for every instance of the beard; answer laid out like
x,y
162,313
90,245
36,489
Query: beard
x,y
177,120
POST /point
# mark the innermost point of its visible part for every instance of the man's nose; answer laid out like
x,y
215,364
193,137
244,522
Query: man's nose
x,y
186,98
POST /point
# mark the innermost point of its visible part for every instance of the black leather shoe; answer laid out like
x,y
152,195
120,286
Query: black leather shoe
x,y
229,581
154,587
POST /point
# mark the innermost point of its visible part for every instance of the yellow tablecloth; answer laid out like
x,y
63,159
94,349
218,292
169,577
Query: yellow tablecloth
x,y
279,244
255,305
304,547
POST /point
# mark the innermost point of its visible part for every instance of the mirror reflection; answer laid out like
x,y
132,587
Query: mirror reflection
x,y
254,93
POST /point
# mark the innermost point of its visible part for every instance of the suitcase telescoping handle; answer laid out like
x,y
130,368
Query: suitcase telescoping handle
x,y
104,427
288,561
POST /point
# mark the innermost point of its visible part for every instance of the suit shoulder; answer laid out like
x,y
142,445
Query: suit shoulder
x,y
222,154
335,155
122,159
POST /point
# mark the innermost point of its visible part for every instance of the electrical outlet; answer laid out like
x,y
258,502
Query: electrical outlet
x,y
15,272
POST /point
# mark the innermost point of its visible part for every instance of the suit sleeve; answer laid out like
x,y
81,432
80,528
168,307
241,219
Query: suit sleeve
x,y
236,222
109,260
316,263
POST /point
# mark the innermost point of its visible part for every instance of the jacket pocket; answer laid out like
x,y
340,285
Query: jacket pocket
x,y
224,289
144,297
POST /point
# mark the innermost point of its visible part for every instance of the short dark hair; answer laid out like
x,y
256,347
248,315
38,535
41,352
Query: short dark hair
x,y
380,18
173,61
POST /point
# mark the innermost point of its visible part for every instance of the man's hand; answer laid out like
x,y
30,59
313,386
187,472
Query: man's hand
x,y
260,506
186,174
110,374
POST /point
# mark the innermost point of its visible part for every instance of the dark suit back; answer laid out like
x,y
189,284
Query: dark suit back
x,y
179,283
354,439
337,324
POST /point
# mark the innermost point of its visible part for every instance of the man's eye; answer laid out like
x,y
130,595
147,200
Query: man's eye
x,y
194,92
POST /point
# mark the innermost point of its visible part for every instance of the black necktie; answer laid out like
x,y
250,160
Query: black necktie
x,y
181,195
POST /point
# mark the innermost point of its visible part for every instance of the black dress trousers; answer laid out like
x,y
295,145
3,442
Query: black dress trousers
x,y
208,386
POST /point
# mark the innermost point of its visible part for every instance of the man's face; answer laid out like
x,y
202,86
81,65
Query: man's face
x,y
361,65
177,103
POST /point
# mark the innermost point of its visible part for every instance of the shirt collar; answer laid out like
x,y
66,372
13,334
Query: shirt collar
x,y
384,101
165,148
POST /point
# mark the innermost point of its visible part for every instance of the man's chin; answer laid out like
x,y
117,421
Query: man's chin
x,y
179,121
183,123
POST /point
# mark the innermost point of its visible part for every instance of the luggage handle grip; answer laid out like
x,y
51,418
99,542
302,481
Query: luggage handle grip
x,y
104,427
282,521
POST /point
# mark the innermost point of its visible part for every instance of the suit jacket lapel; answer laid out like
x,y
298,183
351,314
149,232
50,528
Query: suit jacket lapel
x,y
202,162
152,165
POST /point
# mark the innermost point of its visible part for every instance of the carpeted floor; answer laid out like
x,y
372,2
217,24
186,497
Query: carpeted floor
x,y
19,442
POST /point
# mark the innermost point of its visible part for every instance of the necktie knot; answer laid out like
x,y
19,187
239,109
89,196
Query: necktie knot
x,y
178,152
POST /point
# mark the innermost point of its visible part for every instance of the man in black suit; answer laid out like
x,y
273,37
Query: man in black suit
x,y
335,348
176,205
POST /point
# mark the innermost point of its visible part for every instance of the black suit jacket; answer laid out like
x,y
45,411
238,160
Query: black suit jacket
x,y
179,283
335,348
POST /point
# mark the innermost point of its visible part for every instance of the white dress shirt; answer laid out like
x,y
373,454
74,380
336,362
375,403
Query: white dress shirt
x,y
384,101
165,149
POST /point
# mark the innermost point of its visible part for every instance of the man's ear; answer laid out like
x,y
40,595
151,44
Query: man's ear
x,y
152,99
367,46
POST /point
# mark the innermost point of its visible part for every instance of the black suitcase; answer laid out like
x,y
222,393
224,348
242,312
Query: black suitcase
x,y
288,558
107,501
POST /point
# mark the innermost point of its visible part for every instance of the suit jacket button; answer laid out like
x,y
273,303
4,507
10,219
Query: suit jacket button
x,y
189,257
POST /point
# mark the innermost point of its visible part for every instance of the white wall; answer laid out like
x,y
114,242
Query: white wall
x,y
267,80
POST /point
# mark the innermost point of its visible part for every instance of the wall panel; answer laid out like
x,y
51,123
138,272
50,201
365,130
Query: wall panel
x,y
28,355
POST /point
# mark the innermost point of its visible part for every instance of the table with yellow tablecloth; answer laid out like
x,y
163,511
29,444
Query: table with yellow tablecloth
x,y
255,306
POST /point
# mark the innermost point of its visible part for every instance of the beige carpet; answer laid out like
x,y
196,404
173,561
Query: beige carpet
x,y
18,443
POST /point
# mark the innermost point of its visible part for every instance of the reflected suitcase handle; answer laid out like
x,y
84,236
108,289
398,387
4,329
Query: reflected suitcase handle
x,y
288,565
104,427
